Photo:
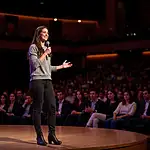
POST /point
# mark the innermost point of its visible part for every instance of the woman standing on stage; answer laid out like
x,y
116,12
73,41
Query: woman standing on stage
x,y
41,84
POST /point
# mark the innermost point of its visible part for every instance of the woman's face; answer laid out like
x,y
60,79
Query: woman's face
x,y
44,35
110,95
126,96
12,97
3,99
79,96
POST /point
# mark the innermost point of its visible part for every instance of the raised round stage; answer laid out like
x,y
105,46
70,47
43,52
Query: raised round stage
x,y
74,138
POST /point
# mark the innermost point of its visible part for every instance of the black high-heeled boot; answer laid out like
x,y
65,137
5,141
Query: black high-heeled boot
x,y
41,141
52,139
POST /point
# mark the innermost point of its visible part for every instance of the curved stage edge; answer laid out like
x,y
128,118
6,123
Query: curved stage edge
x,y
74,138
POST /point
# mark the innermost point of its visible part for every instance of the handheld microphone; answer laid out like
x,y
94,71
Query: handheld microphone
x,y
47,44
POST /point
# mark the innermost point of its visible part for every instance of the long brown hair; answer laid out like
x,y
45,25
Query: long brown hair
x,y
130,100
36,39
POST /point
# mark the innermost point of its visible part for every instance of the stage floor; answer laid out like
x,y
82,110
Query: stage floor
x,y
73,138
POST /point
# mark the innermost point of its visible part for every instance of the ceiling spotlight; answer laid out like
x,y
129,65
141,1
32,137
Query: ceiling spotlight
x,y
55,19
79,21
42,3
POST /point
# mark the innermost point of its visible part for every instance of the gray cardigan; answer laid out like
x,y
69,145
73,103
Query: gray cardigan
x,y
39,69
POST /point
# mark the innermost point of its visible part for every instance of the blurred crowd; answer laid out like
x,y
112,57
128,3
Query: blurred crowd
x,y
109,96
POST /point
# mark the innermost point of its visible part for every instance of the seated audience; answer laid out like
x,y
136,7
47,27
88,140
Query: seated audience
x,y
78,107
125,109
70,97
110,108
3,108
14,110
94,105
26,110
63,108
142,116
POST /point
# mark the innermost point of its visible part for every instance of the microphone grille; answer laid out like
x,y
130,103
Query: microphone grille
x,y
47,43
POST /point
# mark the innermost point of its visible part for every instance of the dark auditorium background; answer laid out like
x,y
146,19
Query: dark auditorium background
x,y
115,19
108,42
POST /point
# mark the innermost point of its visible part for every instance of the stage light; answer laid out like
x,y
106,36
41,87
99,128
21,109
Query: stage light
x,y
42,2
55,19
79,21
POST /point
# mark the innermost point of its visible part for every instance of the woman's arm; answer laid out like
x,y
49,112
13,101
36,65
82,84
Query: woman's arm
x,y
117,111
33,56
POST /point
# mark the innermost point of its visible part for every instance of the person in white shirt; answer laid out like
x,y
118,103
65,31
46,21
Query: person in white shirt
x,y
125,109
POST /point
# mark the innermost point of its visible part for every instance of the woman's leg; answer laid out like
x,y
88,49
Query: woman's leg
x,y
37,89
114,123
51,106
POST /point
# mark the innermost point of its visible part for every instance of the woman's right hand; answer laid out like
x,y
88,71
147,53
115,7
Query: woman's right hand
x,y
48,51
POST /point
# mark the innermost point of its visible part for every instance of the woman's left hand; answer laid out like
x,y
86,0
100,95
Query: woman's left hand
x,y
119,117
67,64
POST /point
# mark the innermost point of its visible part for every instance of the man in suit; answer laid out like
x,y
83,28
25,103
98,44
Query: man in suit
x,y
26,110
142,116
94,105
63,108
